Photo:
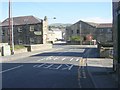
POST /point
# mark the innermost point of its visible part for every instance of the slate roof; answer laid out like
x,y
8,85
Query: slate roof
x,y
22,20
105,25
93,24
101,25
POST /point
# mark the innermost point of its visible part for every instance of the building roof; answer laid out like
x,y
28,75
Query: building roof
x,y
22,20
93,24
105,25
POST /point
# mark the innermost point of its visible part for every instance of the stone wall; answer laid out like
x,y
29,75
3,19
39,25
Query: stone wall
x,y
39,47
20,51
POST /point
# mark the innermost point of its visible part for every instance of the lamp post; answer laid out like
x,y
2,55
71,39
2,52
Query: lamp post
x,y
11,29
80,35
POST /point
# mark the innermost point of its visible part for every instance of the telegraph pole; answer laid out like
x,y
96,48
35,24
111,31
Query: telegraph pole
x,y
11,30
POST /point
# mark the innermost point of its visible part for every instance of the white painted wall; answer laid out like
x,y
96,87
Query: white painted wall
x,y
57,34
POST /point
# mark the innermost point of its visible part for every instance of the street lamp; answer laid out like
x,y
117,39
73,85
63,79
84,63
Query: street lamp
x,y
11,29
80,35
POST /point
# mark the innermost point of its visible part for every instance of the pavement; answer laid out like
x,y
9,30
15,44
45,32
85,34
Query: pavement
x,y
25,54
99,69
101,72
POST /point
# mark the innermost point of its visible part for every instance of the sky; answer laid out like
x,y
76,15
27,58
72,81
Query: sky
x,y
65,12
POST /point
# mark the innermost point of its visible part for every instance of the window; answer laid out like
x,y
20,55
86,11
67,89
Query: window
x,y
31,40
3,33
72,31
109,30
78,31
31,28
20,41
101,31
19,29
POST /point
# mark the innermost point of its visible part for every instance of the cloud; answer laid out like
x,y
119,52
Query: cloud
x,y
97,20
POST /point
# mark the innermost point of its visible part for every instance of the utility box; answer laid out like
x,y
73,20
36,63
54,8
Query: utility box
x,y
5,51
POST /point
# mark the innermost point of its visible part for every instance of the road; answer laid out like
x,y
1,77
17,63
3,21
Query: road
x,y
65,68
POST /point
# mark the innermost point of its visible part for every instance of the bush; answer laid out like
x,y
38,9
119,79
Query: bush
x,y
75,38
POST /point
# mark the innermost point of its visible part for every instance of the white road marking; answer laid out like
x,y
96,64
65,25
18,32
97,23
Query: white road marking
x,y
77,59
40,60
11,69
49,58
57,67
69,67
71,59
55,58
49,66
35,65
41,65
63,59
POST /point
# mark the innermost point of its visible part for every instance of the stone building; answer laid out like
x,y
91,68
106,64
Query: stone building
x,y
104,32
0,33
116,38
81,29
101,32
27,30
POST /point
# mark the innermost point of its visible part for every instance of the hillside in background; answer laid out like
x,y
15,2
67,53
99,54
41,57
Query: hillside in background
x,y
59,25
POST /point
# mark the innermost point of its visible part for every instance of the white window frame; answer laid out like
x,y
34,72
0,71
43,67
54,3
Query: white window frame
x,y
32,28
19,29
